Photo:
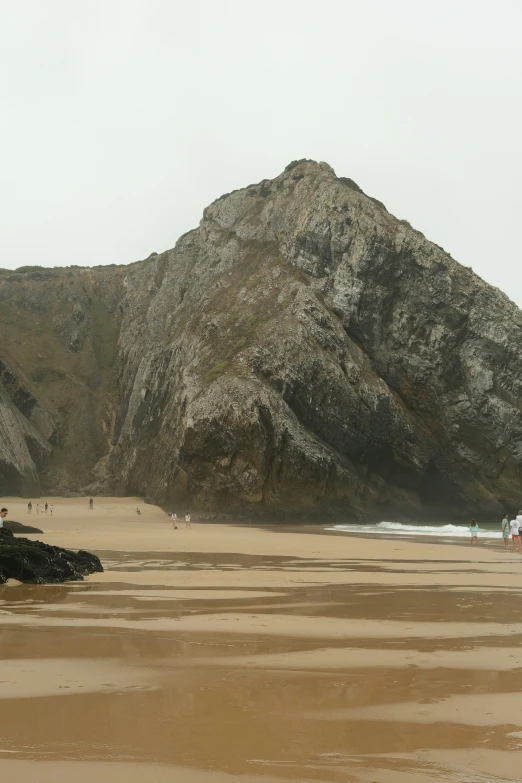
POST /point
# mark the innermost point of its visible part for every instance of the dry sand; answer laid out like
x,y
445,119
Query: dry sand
x,y
227,653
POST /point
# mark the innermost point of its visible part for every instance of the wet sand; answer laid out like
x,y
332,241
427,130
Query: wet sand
x,y
228,654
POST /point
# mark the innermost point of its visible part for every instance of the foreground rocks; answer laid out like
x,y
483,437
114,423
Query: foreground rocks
x,y
302,353
19,527
33,562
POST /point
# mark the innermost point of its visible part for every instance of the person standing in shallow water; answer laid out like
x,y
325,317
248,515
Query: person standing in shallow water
x,y
474,529
505,531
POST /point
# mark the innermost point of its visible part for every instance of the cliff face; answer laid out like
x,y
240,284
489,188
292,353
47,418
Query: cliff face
x,y
58,395
301,351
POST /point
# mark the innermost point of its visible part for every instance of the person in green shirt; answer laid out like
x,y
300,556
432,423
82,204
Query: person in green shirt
x,y
474,529
505,531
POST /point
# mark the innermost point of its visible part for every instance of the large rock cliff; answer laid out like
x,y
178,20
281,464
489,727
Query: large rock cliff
x,y
302,352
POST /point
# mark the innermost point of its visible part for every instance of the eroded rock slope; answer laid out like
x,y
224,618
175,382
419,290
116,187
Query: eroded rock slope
x,y
58,394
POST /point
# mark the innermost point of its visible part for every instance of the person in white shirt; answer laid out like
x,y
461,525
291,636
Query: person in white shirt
x,y
3,514
187,520
174,518
514,527
51,508
519,520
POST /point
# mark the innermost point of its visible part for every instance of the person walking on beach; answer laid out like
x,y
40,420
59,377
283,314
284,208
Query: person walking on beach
x,y
29,507
37,508
3,514
51,509
505,531
46,507
474,529
519,520
174,518
187,521
91,504
513,526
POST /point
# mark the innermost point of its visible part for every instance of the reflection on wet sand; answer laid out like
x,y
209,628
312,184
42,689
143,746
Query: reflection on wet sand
x,y
243,698
268,679
31,677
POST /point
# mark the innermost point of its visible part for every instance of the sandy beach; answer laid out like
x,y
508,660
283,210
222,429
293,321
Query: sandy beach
x,y
227,653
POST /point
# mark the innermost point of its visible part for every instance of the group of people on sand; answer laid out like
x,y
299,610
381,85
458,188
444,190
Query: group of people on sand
x,y
40,508
511,529
174,518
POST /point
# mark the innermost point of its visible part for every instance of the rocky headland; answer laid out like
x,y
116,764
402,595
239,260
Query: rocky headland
x,y
301,353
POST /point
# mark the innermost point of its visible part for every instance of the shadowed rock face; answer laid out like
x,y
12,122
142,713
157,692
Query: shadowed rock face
x,y
304,352
35,563
58,336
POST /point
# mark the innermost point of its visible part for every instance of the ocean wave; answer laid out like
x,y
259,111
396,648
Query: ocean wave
x,y
400,529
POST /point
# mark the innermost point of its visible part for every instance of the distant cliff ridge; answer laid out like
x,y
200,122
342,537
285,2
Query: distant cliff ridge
x,y
301,353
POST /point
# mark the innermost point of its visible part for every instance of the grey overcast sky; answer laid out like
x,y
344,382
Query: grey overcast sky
x,y
123,119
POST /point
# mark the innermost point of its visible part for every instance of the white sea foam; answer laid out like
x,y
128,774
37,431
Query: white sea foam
x,y
399,529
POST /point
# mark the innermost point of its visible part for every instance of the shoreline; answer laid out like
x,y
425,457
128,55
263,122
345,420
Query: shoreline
x,y
155,514
272,516
418,538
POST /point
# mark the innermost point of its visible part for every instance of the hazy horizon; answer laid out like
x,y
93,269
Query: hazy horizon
x,y
125,120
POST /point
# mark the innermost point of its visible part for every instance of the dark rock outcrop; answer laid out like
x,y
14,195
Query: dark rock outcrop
x,y
33,562
301,353
19,527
